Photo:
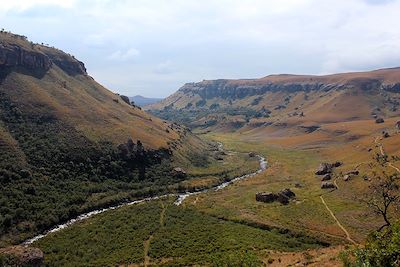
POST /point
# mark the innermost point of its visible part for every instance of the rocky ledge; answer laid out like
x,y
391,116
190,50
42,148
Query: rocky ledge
x,y
17,51
14,56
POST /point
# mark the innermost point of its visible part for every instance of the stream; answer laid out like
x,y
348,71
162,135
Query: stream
x,y
180,198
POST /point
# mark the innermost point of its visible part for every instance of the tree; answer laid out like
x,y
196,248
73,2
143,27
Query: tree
x,y
384,197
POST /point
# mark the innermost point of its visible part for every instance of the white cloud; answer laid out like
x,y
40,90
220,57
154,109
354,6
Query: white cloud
x,y
124,55
213,39
22,5
165,67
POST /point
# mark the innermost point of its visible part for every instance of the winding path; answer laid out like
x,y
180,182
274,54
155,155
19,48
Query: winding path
x,y
338,222
382,151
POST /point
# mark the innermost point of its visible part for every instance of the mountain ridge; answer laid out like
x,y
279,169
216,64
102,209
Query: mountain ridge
x,y
285,98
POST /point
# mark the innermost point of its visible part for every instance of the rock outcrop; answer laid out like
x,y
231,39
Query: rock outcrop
x,y
326,177
67,63
16,56
266,197
328,185
125,99
17,51
282,197
325,168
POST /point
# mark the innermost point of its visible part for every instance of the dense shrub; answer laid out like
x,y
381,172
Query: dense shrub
x,y
381,249
56,173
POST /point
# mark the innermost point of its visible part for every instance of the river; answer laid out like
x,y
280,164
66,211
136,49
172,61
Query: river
x,y
180,198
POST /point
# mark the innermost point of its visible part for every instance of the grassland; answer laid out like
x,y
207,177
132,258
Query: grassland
x,y
179,237
288,167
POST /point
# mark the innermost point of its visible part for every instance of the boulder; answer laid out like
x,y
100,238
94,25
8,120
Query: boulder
x,y
283,199
252,154
323,169
326,177
328,185
398,125
379,120
353,172
385,134
125,99
288,193
346,177
337,164
23,256
266,197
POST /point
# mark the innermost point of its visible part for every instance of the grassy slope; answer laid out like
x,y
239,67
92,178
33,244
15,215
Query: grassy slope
x,y
59,134
287,167
88,106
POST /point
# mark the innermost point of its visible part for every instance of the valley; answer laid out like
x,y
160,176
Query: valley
x,y
284,170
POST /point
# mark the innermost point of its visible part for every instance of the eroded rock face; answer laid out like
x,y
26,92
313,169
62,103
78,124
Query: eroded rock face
x,y
68,64
18,52
14,56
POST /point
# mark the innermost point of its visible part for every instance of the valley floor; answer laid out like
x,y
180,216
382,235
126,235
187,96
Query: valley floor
x,y
228,225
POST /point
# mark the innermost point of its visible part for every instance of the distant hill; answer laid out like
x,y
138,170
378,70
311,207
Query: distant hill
x,y
144,101
284,100
69,145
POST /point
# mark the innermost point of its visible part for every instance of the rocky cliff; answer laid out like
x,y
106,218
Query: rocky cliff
x,y
239,89
13,56
291,98
16,51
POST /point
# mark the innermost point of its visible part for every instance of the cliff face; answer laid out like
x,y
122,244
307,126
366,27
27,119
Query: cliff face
x,y
276,98
239,89
66,62
16,51
13,56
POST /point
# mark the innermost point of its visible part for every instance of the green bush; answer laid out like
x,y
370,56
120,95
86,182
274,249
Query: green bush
x,y
381,249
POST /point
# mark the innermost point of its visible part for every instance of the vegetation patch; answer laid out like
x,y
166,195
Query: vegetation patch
x,y
180,237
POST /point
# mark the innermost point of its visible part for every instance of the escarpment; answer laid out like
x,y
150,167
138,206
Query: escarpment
x,y
17,52
14,56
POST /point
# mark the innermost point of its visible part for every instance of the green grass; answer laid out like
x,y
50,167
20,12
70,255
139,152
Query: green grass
x,y
286,167
183,237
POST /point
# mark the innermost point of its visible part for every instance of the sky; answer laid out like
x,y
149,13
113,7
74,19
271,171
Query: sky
x,y
153,47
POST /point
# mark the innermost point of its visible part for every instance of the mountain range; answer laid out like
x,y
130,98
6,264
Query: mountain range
x,y
143,101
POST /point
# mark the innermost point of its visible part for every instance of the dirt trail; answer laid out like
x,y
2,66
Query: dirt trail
x,y
147,242
146,251
337,222
382,151
394,167
335,183
162,214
